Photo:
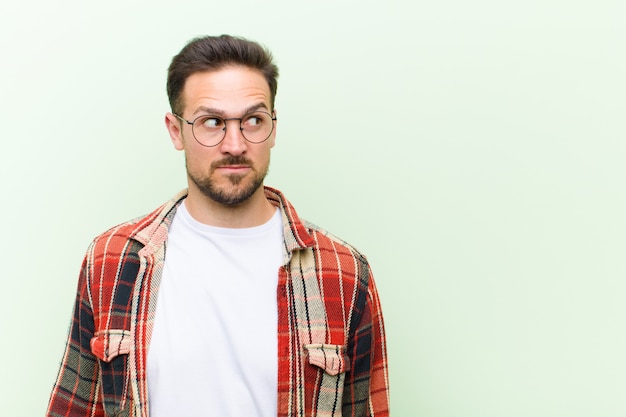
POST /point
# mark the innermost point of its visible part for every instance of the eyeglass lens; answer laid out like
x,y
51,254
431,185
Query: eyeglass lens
x,y
255,127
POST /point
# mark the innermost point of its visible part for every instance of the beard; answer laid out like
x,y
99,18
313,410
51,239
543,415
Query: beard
x,y
239,188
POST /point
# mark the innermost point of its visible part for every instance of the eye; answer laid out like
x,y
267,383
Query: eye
x,y
253,120
210,122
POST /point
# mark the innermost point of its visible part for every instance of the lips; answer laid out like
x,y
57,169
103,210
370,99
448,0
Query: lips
x,y
229,166
233,169
232,163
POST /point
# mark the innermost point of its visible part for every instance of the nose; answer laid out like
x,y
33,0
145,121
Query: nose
x,y
233,143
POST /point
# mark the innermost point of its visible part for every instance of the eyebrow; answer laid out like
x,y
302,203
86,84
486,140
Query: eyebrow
x,y
221,113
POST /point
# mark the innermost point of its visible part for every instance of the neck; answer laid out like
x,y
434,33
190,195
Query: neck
x,y
253,212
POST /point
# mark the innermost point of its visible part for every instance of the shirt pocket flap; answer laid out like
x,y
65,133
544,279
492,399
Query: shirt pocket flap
x,y
107,344
331,358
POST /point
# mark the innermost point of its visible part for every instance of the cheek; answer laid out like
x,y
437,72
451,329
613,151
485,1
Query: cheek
x,y
198,159
272,139
265,155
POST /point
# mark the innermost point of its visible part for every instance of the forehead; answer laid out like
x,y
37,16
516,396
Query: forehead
x,y
230,90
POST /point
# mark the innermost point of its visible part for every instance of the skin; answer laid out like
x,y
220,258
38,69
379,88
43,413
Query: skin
x,y
225,181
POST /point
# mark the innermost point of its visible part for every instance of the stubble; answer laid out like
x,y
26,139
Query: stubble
x,y
239,188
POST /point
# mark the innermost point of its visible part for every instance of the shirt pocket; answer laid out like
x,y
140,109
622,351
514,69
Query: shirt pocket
x,y
331,363
112,347
107,344
330,358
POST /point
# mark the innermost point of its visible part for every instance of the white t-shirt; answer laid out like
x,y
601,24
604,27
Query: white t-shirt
x,y
213,350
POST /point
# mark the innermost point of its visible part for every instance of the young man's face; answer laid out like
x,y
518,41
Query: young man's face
x,y
232,171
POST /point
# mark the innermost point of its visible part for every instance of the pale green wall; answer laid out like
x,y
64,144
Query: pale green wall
x,y
473,150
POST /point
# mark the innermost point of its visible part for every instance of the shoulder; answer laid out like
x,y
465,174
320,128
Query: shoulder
x,y
118,234
125,237
324,237
112,247
140,231
332,251
336,254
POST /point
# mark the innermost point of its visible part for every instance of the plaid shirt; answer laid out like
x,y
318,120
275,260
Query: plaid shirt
x,y
331,341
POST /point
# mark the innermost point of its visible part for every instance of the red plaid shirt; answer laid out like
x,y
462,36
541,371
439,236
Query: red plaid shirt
x,y
331,341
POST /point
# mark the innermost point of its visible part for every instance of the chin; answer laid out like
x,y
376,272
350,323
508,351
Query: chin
x,y
237,192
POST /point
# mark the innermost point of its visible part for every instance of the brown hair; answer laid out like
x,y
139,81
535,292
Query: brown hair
x,y
213,53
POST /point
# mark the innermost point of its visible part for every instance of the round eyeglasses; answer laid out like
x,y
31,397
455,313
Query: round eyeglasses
x,y
210,130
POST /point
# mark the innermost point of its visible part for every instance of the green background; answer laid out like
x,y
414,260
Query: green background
x,y
474,151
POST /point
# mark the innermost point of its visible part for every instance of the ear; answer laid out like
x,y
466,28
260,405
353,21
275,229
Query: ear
x,y
173,125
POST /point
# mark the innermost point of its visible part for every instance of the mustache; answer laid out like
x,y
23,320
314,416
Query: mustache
x,y
232,160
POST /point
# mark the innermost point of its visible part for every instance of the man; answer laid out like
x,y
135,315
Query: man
x,y
222,302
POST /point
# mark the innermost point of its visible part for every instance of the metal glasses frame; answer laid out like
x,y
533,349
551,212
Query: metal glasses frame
x,y
192,123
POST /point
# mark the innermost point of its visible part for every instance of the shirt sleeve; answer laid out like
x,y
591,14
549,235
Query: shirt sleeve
x,y
366,390
76,391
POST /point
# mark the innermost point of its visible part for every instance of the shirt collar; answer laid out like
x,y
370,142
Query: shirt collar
x,y
152,230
